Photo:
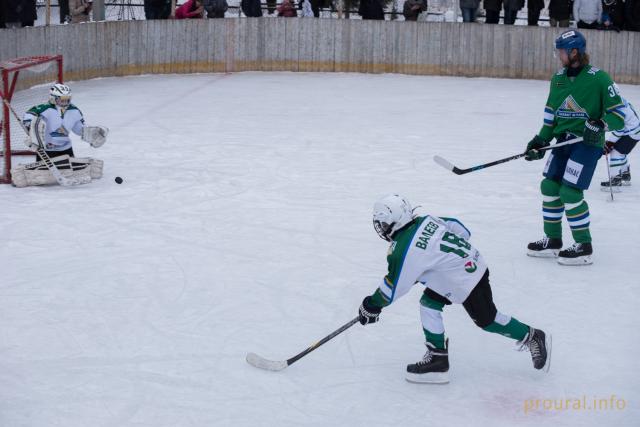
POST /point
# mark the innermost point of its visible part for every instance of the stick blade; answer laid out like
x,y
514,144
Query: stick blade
x,y
444,163
262,363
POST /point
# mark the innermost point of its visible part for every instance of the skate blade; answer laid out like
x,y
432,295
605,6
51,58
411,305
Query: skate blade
x,y
429,378
546,253
582,260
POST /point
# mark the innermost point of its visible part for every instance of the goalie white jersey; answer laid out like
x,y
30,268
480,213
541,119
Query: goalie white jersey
x,y
58,124
433,251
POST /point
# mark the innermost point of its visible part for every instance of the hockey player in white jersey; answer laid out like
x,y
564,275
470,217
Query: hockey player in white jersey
x,y
49,126
619,144
59,117
435,252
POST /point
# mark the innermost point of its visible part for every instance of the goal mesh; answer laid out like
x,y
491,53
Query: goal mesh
x,y
25,83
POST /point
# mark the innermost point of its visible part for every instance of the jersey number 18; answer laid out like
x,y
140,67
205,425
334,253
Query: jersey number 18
x,y
460,245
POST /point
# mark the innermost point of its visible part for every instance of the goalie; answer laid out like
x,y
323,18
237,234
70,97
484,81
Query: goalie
x,y
49,127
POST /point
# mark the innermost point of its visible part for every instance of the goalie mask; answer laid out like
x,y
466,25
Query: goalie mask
x,y
60,95
390,214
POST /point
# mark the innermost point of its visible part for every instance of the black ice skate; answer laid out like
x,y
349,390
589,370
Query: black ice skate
x,y
539,344
433,368
622,179
547,247
576,254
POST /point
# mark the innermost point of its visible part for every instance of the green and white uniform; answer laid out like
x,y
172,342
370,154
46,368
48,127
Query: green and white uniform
x,y
433,251
573,100
591,94
58,124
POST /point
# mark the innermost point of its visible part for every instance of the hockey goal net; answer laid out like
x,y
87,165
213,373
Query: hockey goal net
x,y
25,83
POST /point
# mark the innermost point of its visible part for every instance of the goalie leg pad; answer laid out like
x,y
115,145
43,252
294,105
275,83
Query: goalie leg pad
x,y
94,165
38,174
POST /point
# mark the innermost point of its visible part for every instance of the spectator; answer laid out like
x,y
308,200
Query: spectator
x,y
80,10
20,13
511,8
157,9
287,9
469,8
412,8
533,11
613,15
559,13
3,6
587,13
371,9
492,11
632,15
271,6
65,16
306,10
215,8
251,8
191,9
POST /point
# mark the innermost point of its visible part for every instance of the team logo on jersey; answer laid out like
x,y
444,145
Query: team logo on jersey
x,y
470,267
570,109
61,131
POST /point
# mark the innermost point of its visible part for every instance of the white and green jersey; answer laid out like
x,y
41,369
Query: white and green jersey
x,y
58,124
433,251
631,124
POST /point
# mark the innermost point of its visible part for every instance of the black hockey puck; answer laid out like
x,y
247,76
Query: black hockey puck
x,y
118,180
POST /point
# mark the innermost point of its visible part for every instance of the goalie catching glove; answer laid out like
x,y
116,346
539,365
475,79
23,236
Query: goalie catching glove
x,y
96,136
368,313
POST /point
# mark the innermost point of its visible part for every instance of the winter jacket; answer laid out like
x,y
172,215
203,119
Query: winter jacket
x,y
79,11
306,11
587,11
371,9
560,10
632,15
189,10
251,8
412,8
23,11
287,9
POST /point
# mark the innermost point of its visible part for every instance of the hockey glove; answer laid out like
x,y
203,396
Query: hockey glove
x,y
608,147
532,148
594,132
368,313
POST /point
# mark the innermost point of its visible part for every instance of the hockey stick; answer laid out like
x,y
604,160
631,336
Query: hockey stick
x,y
278,365
609,174
61,179
449,166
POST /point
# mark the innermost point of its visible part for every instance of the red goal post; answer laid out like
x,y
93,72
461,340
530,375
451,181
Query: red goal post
x,y
25,83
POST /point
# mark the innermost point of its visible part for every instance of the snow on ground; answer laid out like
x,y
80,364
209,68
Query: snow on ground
x,y
244,224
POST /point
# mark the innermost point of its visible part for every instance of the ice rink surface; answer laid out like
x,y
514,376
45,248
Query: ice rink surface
x,y
244,224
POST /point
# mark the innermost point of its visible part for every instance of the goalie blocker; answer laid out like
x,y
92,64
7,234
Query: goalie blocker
x,y
82,170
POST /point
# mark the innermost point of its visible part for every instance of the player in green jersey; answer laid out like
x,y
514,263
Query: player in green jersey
x,y
435,252
583,102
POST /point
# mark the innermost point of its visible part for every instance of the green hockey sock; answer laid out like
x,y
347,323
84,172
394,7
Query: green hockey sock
x,y
436,339
513,329
577,211
552,208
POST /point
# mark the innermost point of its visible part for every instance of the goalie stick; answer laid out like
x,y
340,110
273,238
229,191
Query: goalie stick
x,y
61,179
278,365
450,166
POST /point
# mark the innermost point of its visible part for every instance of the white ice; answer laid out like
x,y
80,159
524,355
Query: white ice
x,y
244,225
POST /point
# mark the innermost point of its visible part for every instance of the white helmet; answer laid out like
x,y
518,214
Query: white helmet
x,y
390,214
60,95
